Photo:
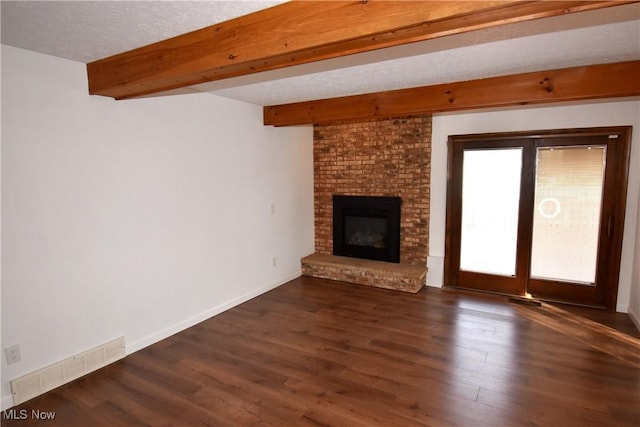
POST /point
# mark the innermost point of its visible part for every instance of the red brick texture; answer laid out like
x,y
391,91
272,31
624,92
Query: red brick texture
x,y
375,158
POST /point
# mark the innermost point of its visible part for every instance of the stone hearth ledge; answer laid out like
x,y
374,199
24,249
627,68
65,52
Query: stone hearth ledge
x,y
380,274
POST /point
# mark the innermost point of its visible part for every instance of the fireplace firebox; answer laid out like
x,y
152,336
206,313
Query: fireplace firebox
x,y
367,227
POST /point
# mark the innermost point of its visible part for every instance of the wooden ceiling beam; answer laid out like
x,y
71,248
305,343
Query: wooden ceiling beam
x,y
300,32
569,84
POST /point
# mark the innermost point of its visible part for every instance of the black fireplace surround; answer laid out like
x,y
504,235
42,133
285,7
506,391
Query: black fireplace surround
x,y
367,227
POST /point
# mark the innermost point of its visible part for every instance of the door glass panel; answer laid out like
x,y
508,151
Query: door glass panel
x,y
566,222
490,200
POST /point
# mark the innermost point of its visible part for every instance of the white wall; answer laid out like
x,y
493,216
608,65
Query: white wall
x,y
634,299
137,218
143,217
531,118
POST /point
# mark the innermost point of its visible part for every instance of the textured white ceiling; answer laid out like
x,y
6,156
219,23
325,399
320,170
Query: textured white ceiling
x,y
88,30
560,49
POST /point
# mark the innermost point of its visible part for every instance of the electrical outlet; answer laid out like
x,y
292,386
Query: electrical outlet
x,y
275,261
13,354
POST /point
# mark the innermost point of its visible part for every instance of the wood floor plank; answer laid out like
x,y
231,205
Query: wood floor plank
x,y
316,352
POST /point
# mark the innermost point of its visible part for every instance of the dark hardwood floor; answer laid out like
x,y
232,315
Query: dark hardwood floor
x,y
316,352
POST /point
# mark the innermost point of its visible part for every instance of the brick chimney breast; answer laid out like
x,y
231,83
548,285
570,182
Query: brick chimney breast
x,y
375,158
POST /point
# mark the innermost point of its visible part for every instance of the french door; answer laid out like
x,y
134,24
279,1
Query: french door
x,y
538,213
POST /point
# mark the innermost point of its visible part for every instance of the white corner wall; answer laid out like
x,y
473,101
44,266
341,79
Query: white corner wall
x,y
137,218
634,299
614,113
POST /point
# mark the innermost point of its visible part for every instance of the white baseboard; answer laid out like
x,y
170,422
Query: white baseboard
x,y
435,271
7,401
635,318
200,317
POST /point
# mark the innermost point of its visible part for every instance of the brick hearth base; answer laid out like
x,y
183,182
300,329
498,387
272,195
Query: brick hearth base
x,y
399,277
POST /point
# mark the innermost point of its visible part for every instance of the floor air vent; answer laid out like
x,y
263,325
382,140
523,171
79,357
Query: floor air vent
x,y
41,381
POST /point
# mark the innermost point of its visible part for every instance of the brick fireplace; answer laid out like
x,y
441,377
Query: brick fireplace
x,y
389,158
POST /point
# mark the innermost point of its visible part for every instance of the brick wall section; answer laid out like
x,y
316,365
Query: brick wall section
x,y
375,158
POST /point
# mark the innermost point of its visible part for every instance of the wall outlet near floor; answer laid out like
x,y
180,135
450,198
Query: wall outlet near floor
x,y
274,261
13,354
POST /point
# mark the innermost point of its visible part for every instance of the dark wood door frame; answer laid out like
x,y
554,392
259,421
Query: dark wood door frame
x,y
618,141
